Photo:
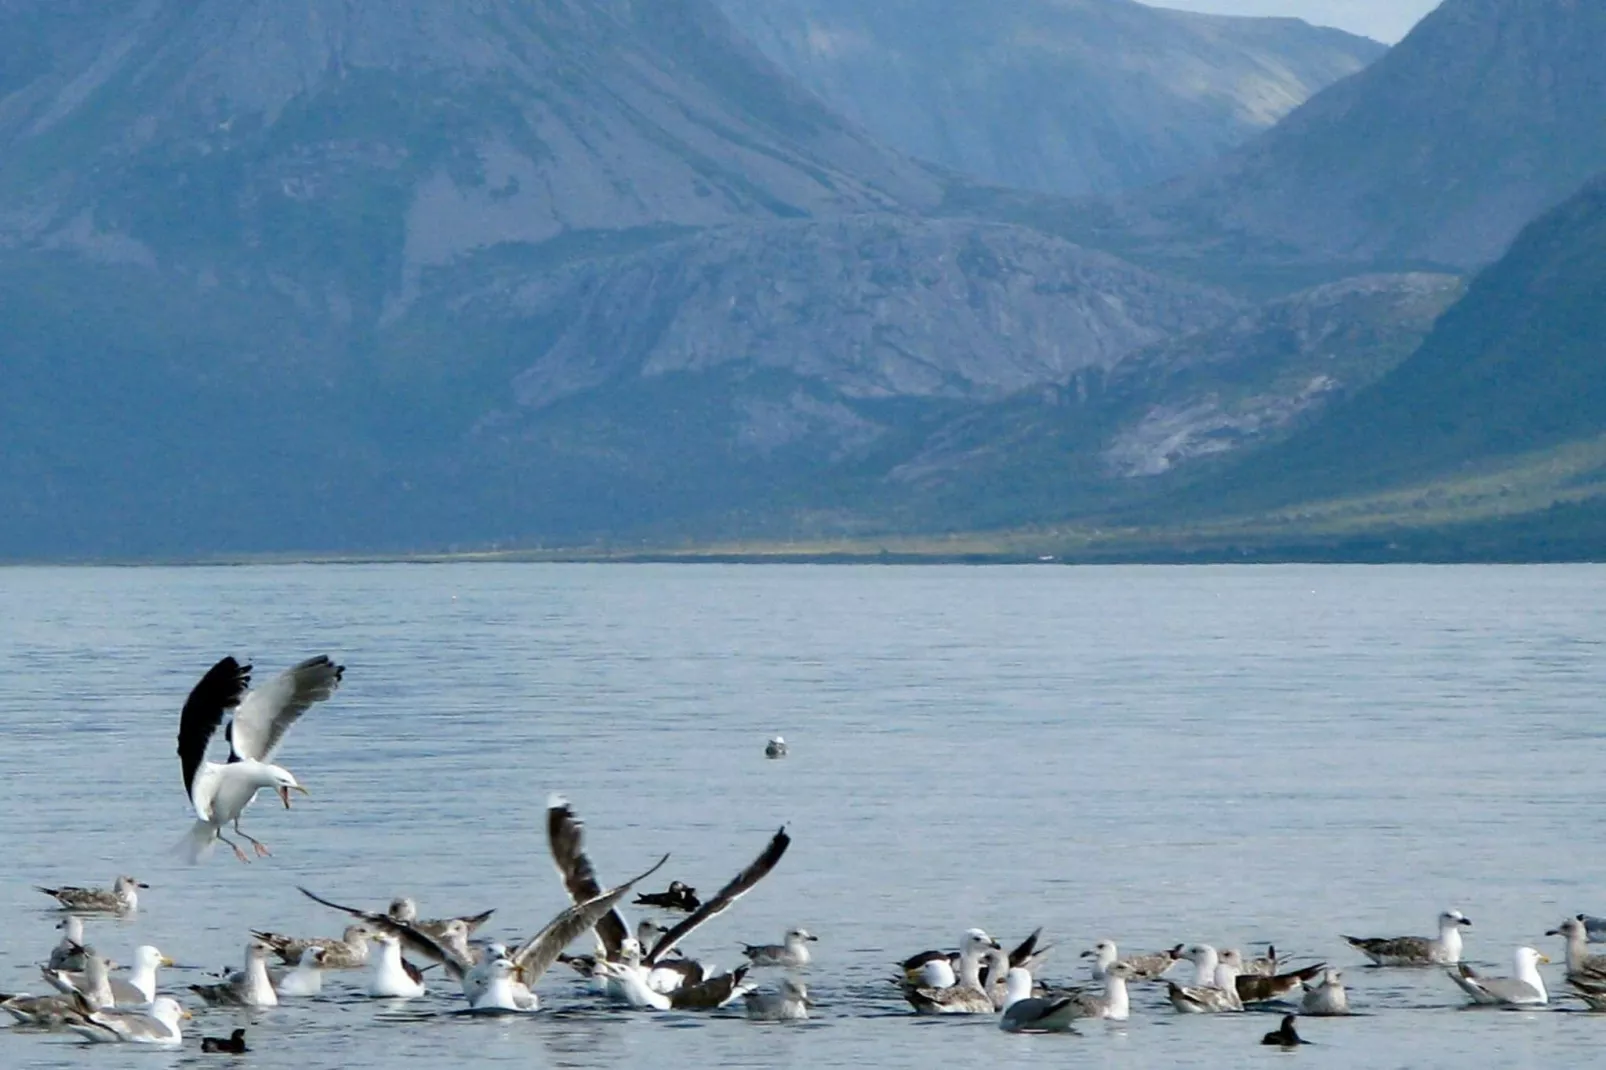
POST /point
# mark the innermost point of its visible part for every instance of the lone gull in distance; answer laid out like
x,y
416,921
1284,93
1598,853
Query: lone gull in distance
x,y
775,748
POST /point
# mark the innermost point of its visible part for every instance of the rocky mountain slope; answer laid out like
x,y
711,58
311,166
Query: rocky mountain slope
x,y
1171,414
399,274
1514,369
1487,114
1088,97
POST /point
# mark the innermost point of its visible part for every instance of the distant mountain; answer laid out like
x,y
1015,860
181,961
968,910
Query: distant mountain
x,y
1087,97
399,274
1516,368
1487,114
1170,414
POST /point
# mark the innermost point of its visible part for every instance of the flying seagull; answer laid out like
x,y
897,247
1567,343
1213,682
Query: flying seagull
x,y
220,792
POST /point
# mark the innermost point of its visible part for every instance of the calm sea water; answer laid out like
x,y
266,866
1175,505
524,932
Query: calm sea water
x,y
1149,754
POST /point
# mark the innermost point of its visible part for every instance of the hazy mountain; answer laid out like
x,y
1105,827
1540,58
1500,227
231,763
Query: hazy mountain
x,y
399,274
1113,436
1513,369
1090,96
1488,113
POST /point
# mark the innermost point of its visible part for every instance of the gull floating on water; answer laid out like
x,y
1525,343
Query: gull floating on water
x,y
1215,987
93,982
306,979
1526,989
1591,992
1261,988
93,992
1445,950
121,898
158,1025
1581,965
1024,1013
250,987
348,952
791,953
1327,997
966,995
220,791
775,748
1595,927
393,977
139,988
1264,966
1148,967
790,1003
69,953
937,969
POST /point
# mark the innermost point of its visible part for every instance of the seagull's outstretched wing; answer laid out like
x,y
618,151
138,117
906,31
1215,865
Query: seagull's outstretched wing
x,y
565,835
540,951
414,940
726,896
267,712
218,692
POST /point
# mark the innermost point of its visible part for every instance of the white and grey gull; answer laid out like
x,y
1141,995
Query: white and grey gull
x,y
121,898
1443,950
1526,988
220,791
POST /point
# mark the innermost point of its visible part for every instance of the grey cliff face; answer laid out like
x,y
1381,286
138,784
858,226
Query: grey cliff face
x,y
875,307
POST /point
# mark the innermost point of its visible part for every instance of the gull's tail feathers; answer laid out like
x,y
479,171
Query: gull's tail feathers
x,y
197,844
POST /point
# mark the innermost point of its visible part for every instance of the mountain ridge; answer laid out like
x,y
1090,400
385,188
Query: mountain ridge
x,y
1092,97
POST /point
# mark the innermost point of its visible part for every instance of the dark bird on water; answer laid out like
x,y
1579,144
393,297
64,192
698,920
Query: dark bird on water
x,y
1284,1035
678,897
233,1044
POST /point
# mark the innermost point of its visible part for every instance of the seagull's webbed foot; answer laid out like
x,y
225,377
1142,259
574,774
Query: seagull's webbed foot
x,y
256,845
241,855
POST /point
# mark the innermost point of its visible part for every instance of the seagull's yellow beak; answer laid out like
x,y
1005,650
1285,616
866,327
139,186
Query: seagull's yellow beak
x,y
165,961
1544,958
185,1014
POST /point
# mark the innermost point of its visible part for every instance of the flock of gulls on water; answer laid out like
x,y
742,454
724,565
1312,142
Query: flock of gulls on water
x,y
645,967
